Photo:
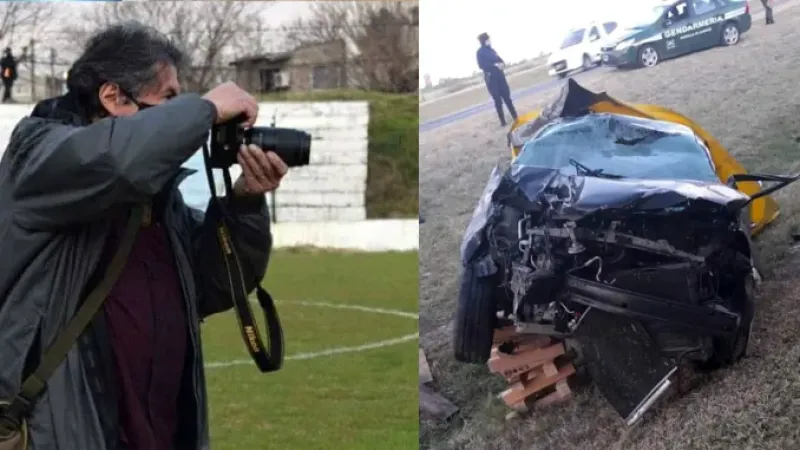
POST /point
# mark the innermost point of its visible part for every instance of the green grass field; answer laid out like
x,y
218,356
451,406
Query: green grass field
x,y
363,399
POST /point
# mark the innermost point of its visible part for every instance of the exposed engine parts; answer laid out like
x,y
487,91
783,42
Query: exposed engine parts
x,y
684,280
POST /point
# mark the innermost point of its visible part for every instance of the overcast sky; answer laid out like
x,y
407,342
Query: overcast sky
x,y
519,29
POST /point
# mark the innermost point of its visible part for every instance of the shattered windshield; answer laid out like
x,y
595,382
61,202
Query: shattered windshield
x,y
615,145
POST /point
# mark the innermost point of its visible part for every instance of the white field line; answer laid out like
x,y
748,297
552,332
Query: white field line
x,y
336,350
367,309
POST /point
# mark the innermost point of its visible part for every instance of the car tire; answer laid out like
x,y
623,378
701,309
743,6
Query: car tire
x,y
587,62
648,56
476,317
730,34
562,75
729,351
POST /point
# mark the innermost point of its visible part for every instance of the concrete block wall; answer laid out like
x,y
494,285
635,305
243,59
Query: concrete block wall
x,y
332,186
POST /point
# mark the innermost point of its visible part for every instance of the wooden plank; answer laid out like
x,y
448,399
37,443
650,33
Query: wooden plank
x,y
504,334
561,394
425,375
520,391
528,358
434,404
550,370
510,334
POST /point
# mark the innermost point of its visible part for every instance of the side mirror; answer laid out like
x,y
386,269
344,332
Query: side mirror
x,y
781,181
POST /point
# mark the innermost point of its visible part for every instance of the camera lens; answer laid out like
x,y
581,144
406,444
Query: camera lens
x,y
292,146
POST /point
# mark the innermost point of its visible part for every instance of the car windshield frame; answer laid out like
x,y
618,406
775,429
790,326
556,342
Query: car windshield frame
x,y
570,39
689,157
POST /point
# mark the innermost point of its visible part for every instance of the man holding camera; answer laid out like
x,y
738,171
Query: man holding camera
x,y
70,177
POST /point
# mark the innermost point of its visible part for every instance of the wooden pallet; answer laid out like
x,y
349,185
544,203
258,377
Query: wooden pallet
x,y
536,369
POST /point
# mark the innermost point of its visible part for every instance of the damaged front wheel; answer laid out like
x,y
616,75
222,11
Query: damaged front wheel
x,y
476,316
729,351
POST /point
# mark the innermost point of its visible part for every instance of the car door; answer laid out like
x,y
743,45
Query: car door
x,y
594,42
709,16
677,29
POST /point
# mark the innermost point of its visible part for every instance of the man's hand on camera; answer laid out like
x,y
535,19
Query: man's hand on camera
x,y
230,101
261,171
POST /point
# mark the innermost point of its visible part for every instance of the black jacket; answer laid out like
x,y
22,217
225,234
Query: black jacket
x,y
62,181
495,78
8,62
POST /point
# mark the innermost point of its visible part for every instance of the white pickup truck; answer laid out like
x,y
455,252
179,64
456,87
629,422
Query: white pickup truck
x,y
580,49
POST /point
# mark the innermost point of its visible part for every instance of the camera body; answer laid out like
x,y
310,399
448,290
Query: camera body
x,y
292,146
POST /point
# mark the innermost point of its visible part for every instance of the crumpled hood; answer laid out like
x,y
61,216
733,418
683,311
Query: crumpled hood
x,y
529,188
573,197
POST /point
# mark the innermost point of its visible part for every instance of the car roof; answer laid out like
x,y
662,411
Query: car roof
x,y
655,124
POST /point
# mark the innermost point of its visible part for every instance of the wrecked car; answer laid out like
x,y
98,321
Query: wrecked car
x,y
627,231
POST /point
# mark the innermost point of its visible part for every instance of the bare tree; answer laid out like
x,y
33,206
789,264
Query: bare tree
x,y
21,18
385,35
211,33
388,42
325,22
20,23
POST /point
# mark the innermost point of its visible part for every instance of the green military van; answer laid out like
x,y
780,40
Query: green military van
x,y
678,28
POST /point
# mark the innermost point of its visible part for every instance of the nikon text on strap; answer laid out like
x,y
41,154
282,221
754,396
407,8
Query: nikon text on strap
x,y
12,415
266,360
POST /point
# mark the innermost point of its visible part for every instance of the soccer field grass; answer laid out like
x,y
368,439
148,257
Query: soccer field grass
x,y
355,398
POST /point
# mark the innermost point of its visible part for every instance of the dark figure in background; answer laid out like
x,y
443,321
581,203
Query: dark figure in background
x,y
768,10
8,71
492,67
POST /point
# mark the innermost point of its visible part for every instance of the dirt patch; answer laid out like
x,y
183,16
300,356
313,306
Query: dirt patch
x,y
747,97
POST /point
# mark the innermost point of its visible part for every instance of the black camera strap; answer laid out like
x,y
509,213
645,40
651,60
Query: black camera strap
x,y
267,360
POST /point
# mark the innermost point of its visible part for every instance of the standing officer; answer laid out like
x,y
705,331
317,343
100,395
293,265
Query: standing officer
x,y
8,72
768,10
492,66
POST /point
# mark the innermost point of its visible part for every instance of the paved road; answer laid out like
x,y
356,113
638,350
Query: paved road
x,y
476,82
460,105
472,97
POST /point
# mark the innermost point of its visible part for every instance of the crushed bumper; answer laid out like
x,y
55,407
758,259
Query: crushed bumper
x,y
711,320
624,363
